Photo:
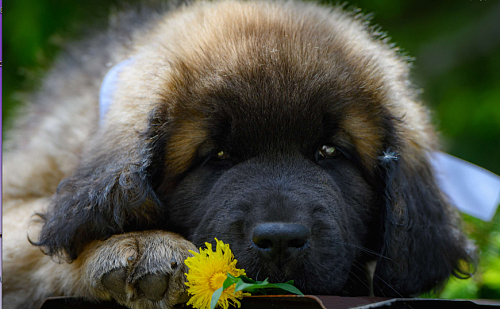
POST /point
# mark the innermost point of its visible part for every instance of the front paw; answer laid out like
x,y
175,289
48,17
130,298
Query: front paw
x,y
138,269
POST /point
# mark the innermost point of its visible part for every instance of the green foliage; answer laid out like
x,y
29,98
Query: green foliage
x,y
457,50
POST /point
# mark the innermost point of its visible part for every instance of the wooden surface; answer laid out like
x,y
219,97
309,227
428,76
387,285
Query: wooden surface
x,y
302,302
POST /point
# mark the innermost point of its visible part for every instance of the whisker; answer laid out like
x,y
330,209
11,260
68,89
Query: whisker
x,y
368,251
257,275
355,276
378,277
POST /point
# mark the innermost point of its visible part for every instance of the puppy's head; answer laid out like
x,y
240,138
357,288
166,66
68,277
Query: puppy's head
x,y
286,130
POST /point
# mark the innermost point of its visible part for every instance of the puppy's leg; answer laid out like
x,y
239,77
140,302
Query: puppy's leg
x,y
138,269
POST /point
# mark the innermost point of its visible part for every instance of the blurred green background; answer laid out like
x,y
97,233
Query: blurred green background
x,y
456,45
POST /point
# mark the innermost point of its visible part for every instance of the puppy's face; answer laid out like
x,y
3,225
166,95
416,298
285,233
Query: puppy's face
x,y
277,175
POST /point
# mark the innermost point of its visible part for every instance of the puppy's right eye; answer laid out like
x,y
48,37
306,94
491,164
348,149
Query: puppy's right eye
x,y
222,155
328,152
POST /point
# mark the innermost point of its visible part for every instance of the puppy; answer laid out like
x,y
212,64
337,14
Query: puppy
x,y
288,130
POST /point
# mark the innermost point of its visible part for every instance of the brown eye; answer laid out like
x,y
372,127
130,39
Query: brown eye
x,y
328,152
222,155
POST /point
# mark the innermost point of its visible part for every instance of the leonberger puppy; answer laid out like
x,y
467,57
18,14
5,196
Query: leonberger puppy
x,y
288,130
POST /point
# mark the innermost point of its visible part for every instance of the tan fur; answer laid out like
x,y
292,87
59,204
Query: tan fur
x,y
28,275
362,132
206,42
183,145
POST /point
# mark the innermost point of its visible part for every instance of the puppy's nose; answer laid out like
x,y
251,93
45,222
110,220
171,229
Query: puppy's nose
x,y
280,242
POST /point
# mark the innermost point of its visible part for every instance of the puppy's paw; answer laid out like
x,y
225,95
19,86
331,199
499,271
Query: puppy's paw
x,y
138,269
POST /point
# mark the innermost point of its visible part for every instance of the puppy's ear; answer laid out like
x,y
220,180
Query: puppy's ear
x,y
422,244
111,192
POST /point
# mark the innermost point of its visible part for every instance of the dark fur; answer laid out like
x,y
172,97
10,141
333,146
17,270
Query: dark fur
x,y
389,210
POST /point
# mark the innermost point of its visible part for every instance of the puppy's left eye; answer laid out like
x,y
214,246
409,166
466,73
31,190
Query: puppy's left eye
x,y
222,155
328,152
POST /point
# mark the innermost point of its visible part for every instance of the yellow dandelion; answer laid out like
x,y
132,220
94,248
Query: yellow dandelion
x,y
207,272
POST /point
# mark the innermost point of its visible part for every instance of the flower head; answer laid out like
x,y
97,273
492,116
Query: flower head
x,y
207,272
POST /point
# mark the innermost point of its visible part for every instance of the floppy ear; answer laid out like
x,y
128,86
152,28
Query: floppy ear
x,y
422,244
111,192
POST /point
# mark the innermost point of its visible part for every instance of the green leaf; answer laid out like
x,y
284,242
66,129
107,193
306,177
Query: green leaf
x,y
288,287
245,284
243,278
248,287
215,297
230,280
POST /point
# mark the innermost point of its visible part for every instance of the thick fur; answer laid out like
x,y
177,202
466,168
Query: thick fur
x,y
268,83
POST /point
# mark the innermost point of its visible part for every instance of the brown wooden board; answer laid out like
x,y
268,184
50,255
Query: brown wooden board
x,y
301,302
